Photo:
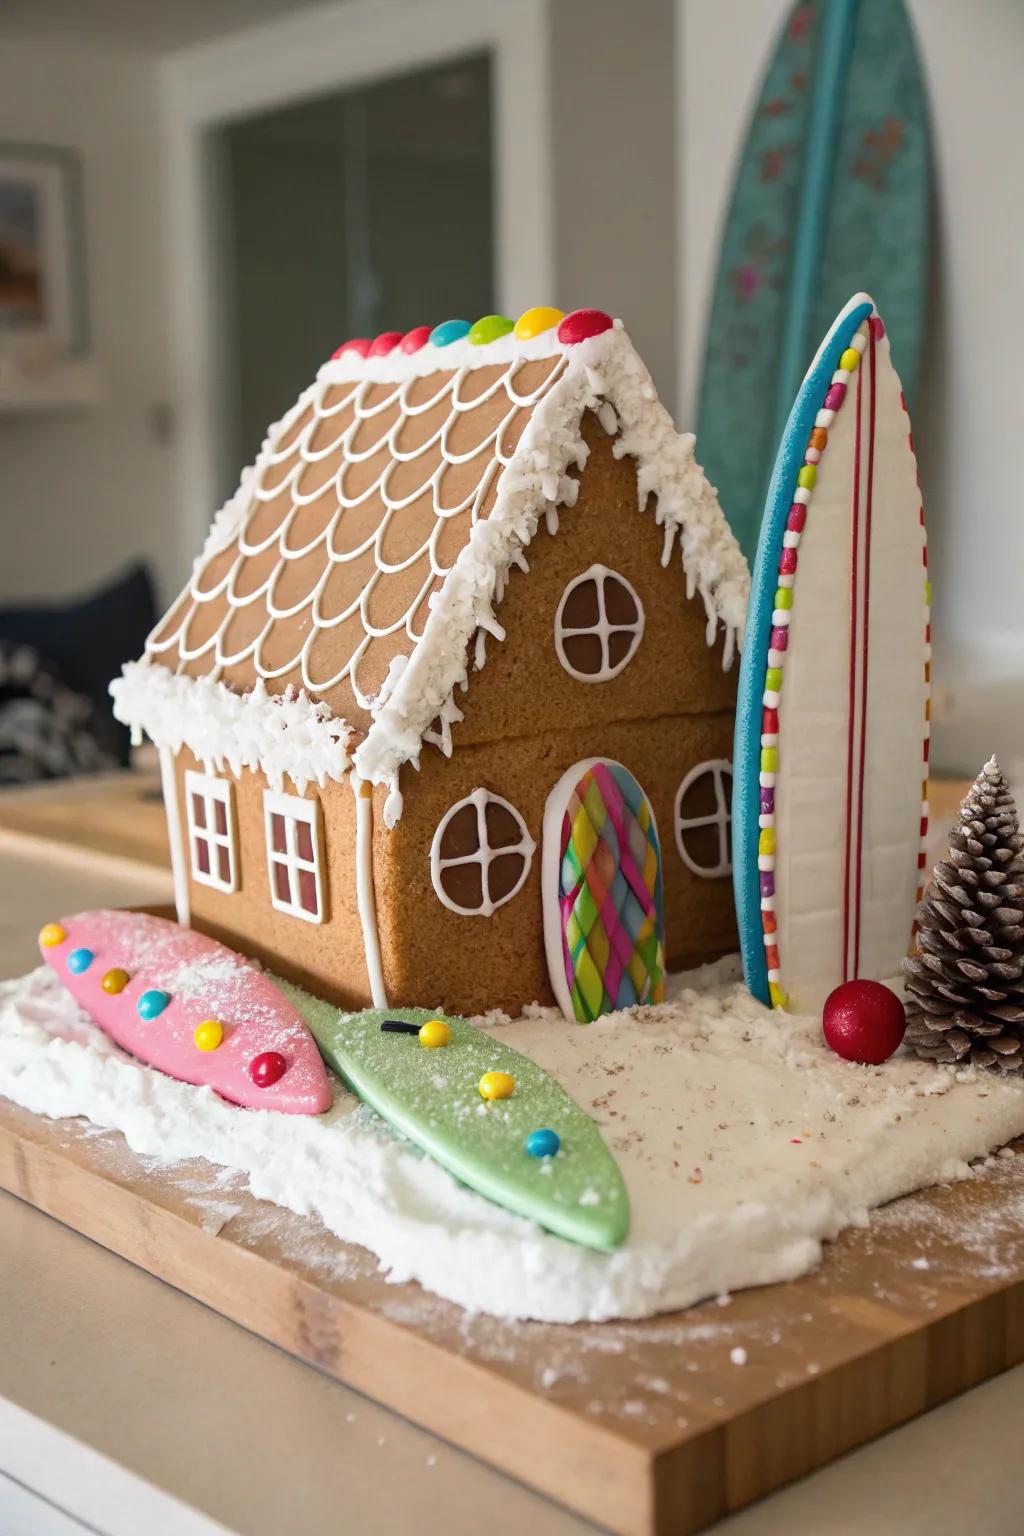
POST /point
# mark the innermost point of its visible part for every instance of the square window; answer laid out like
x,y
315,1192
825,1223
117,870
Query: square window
x,y
209,807
294,835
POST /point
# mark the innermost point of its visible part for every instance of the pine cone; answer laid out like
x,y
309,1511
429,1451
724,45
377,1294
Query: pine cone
x,y
965,986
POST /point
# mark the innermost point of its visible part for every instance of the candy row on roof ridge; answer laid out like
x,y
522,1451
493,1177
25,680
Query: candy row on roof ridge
x,y
572,328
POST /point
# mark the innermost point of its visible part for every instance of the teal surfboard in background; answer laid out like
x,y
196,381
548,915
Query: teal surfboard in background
x,y
831,196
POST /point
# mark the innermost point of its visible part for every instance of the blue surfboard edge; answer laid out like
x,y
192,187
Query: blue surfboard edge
x,y
750,690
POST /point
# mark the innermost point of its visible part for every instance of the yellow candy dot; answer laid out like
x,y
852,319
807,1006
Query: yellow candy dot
x,y
534,322
434,1033
115,981
208,1035
497,1085
849,359
51,934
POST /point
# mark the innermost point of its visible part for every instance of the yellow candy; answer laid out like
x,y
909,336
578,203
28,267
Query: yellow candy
x,y
497,1085
115,981
434,1033
208,1035
849,359
51,934
534,322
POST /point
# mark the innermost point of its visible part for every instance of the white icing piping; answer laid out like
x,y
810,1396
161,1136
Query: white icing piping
x,y
484,854
365,896
602,630
602,369
291,736
287,736
179,871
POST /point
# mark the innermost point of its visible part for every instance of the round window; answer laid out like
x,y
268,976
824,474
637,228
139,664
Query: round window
x,y
481,854
598,625
703,819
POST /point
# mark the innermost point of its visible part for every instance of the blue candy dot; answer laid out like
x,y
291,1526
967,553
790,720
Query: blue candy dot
x,y
542,1143
152,1003
448,331
80,960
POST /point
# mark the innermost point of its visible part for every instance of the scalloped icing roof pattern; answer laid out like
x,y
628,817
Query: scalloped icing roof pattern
x,y
364,555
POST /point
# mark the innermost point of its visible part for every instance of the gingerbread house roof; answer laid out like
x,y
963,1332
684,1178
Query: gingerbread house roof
x,y
349,586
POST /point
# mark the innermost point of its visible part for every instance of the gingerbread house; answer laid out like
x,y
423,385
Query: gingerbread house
x,y
474,569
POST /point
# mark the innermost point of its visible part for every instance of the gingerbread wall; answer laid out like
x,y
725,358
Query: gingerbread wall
x,y
326,957
526,721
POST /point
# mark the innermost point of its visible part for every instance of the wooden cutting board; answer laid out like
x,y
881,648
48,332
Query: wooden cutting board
x,y
646,1428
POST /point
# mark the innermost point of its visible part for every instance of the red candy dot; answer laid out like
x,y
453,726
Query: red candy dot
x,y
797,517
863,1021
583,323
360,344
787,562
877,327
267,1068
414,339
834,397
386,342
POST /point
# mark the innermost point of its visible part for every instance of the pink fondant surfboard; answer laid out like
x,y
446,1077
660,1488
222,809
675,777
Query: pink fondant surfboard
x,y
191,1007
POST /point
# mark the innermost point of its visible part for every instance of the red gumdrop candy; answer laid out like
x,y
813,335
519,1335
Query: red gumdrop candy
x,y
267,1068
863,1021
583,323
414,339
386,342
360,344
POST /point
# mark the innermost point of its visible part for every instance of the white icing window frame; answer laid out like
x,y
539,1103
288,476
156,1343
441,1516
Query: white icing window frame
x,y
211,790
294,810
483,855
604,630
720,817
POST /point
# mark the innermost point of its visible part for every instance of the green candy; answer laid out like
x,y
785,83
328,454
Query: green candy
x,y
489,328
433,1098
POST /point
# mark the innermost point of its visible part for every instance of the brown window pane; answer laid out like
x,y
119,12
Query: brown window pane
x,y
203,855
581,609
619,602
281,885
583,653
224,865
699,799
304,842
503,830
278,841
463,884
620,643
220,817
307,891
460,835
503,874
198,811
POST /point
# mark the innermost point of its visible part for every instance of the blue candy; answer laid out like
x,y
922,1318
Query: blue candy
x,y
80,960
448,331
543,1143
152,1003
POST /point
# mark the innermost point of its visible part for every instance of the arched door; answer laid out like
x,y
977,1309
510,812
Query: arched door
x,y
604,911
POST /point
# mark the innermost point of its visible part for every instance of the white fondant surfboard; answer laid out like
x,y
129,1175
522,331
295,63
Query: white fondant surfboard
x,y
829,808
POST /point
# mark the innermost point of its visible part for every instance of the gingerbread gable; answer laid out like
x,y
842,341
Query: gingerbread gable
x,y
352,583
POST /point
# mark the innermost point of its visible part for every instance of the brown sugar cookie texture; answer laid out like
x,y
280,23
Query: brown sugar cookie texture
x,y
468,563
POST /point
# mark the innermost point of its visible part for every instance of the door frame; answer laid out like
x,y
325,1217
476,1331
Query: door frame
x,y
309,54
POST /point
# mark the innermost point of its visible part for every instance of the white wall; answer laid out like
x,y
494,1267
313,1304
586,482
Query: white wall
x,y
82,493
968,426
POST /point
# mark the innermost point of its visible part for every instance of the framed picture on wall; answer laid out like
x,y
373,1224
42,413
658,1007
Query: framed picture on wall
x,y
44,322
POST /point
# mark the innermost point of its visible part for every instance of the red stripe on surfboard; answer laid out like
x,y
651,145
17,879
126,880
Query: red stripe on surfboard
x,y
865,638
854,573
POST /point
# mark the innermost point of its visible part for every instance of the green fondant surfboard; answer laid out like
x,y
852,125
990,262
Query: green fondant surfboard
x,y
433,1098
831,196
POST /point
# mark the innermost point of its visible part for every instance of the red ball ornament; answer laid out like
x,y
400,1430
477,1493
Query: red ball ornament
x,y
267,1068
863,1021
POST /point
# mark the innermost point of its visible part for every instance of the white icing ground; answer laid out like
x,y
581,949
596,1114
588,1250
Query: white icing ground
x,y
744,1143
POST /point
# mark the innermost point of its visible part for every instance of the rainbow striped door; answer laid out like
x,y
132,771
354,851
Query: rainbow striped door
x,y
604,911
